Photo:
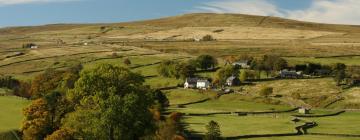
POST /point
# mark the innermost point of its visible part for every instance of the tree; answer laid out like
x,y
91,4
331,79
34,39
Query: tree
x,y
243,76
311,68
52,80
280,64
257,65
23,90
160,98
206,62
213,131
207,38
300,67
167,68
184,70
36,124
44,115
127,61
339,73
339,76
222,74
176,69
266,91
169,129
113,101
62,134
230,59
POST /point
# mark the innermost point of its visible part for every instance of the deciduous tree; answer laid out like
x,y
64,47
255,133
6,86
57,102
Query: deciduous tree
x,y
213,131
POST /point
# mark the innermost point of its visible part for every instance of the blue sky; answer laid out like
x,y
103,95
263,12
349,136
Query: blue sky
x,y
38,12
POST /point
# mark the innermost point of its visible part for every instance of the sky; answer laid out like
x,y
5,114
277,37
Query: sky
x,y
40,12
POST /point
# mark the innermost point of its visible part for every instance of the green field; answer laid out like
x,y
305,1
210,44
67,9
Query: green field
x,y
347,123
11,112
248,125
348,60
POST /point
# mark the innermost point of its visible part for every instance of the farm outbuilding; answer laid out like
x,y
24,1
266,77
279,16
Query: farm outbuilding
x,y
197,83
243,64
233,81
304,110
290,74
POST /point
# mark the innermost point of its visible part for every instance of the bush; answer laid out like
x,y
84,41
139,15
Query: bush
x,y
207,38
266,91
61,134
127,61
213,131
296,95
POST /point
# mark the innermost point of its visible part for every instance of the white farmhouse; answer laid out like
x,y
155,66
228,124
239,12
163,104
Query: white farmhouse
x,y
197,83
190,82
203,84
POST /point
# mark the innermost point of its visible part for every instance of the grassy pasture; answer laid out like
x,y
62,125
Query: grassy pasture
x,y
350,60
11,112
346,123
182,96
236,125
307,137
230,103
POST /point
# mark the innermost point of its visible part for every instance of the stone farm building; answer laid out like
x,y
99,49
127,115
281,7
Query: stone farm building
x,y
243,64
197,83
290,74
304,110
233,81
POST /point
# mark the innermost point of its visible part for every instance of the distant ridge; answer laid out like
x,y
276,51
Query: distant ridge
x,y
201,20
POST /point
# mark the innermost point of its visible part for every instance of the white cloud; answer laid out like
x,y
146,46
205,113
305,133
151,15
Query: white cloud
x,y
326,11
255,7
13,2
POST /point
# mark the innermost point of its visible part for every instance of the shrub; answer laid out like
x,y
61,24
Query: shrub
x,y
207,38
296,95
61,134
213,131
266,91
127,61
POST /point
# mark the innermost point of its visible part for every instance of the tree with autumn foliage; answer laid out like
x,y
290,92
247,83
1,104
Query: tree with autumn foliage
x,y
114,102
44,115
62,134
54,80
37,120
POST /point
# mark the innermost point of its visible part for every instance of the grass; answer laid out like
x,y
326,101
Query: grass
x,y
307,137
236,126
5,92
8,135
11,112
182,96
355,60
346,123
230,104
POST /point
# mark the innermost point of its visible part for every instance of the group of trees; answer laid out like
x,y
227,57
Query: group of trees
x,y
176,69
268,64
8,82
222,74
182,70
107,102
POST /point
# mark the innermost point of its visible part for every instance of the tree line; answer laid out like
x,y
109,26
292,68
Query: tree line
x,y
107,102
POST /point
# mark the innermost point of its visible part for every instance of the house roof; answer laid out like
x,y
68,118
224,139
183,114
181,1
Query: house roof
x,y
191,80
202,80
241,62
231,78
